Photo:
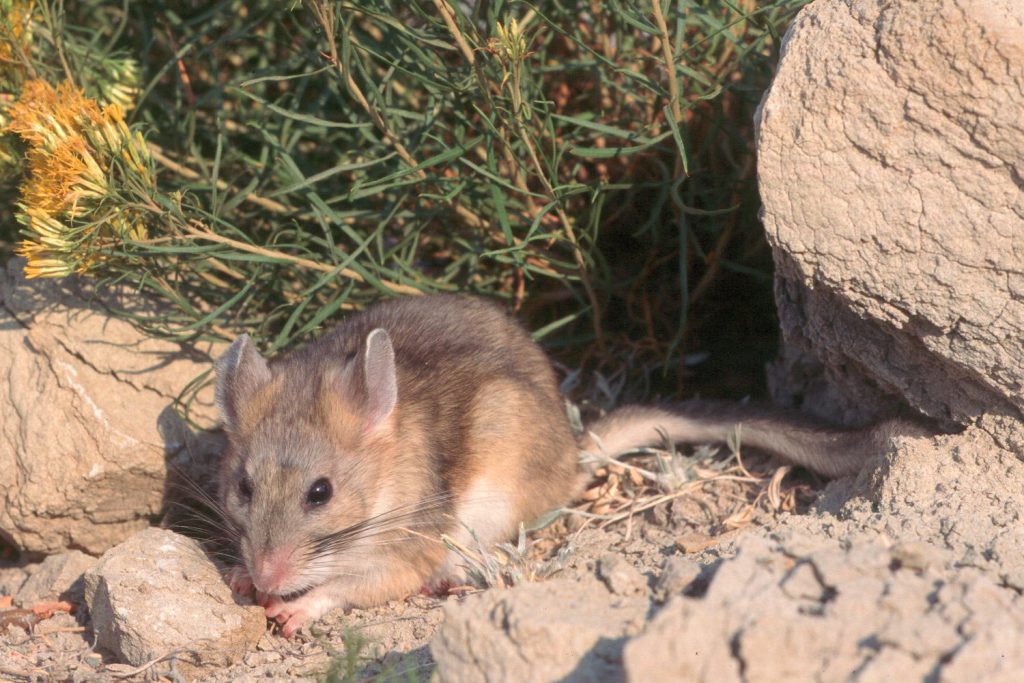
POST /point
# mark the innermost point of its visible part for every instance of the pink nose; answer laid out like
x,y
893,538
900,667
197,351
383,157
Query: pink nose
x,y
273,570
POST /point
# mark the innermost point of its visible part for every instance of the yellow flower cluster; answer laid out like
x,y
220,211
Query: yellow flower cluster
x,y
511,48
113,79
79,155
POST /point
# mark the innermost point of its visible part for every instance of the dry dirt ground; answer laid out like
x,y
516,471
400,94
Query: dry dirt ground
x,y
684,568
625,514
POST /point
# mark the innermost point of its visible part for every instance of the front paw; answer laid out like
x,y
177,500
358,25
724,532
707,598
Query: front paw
x,y
293,614
288,614
239,581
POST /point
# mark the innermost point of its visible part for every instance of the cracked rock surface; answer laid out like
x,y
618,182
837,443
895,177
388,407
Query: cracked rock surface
x,y
157,593
809,609
890,158
891,153
86,430
559,630
909,572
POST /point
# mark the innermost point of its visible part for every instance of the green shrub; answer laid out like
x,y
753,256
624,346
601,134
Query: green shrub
x,y
589,162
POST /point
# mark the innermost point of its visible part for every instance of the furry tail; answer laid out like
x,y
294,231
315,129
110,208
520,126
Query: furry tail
x,y
829,451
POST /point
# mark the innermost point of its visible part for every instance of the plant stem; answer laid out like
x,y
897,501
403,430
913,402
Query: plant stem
x,y
205,233
157,153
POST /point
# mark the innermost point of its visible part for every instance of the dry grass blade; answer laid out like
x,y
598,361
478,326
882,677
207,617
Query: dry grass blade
x,y
506,564
620,489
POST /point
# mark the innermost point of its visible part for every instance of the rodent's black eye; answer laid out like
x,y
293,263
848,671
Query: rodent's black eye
x,y
245,488
320,492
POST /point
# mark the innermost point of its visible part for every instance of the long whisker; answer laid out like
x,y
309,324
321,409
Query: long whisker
x,y
215,521
197,512
193,489
408,517
402,515
334,555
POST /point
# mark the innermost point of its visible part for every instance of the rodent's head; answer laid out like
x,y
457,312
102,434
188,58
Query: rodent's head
x,y
301,473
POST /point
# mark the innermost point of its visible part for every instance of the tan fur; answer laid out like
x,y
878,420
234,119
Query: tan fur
x,y
477,440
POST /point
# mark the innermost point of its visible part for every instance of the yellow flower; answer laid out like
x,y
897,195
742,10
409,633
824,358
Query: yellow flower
x,y
78,155
59,179
511,49
47,268
44,117
50,232
43,260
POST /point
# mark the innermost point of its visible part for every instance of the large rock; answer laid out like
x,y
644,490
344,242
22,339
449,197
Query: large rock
x,y
86,429
813,609
911,571
890,158
558,630
963,492
158,593
917,576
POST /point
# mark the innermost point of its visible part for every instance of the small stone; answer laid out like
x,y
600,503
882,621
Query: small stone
x,y
156,593
620,576
677,573
59,577
694,542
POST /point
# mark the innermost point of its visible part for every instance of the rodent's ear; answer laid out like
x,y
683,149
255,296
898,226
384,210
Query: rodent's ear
x,y
241,371
380,377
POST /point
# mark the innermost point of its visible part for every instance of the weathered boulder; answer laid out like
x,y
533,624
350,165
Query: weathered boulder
x,y
890,158
157,593
962,492
86,429
812,608
559,630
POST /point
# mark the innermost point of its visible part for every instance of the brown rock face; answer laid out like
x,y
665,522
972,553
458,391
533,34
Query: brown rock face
x,y
891,158
86,426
